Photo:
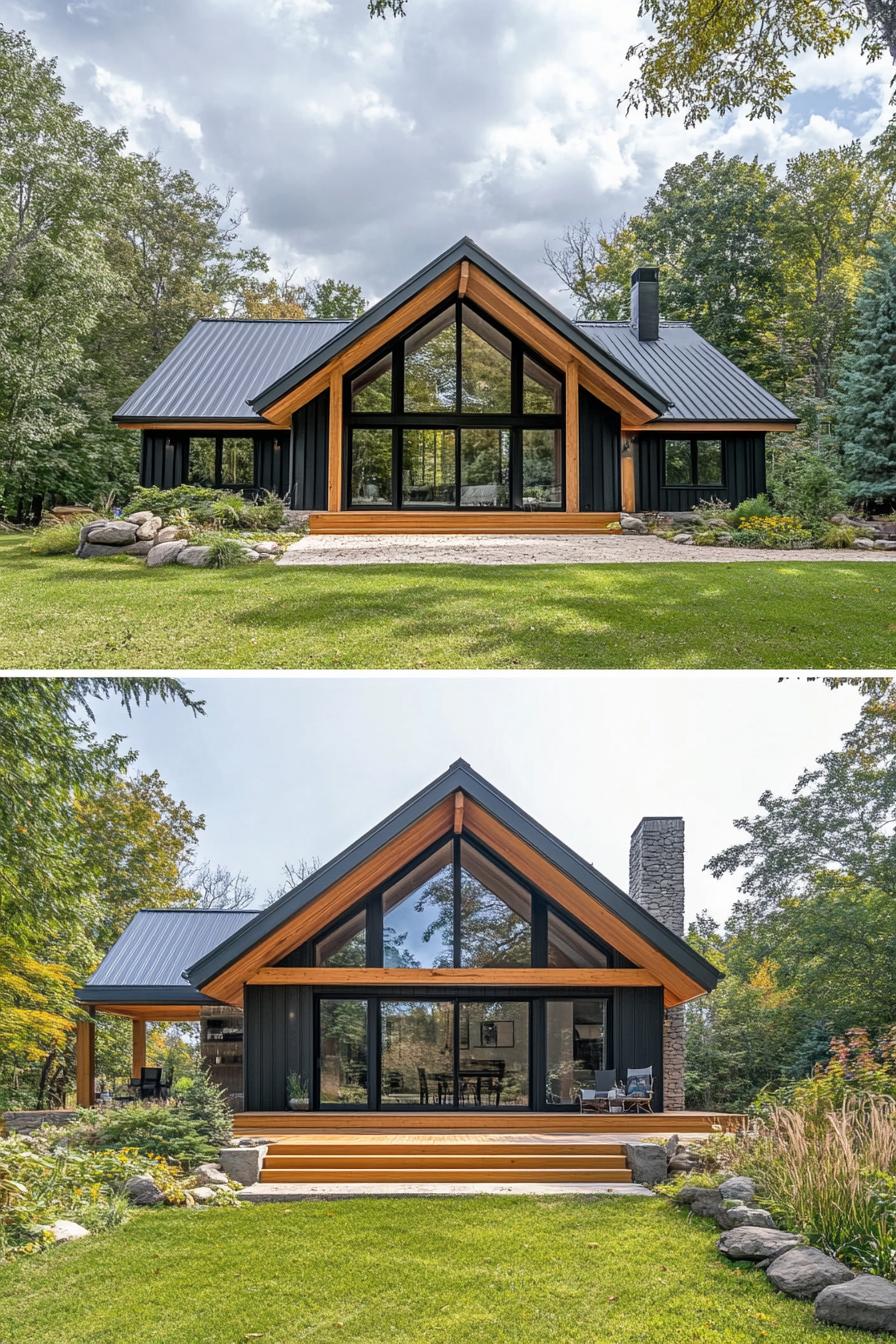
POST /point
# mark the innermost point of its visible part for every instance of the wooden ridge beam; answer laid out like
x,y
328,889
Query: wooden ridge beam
x,y
456,977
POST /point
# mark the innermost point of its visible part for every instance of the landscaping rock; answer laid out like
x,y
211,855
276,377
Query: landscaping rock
x,y
865,1303
137,548
863,544
705,1201
267,548
756,1243
209,1174
683,539
85,531
143,1190
169,534
805,1270
243,1164
672,1146
682,1164
197,556
149,530
884,545
88,551
63,1230
648,1162
738,1187
112,534
203,1194
634,525
742,1216
165,553
144,516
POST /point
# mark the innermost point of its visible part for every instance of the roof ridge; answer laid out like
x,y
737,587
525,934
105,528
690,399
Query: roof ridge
x,y
299,321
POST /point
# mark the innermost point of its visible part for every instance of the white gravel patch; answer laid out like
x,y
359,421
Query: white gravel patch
x,y
540,550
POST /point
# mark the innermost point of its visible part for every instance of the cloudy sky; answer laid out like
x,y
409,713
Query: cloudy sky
x,y
362,149
299,766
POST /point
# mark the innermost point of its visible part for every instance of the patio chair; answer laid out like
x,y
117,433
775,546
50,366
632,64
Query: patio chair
x,y
150,1085
639,1089
424,1086
597,1098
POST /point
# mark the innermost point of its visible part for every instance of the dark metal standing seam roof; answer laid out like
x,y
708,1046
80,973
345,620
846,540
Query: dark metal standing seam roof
x,y
147,963
213,371
462,776
698,381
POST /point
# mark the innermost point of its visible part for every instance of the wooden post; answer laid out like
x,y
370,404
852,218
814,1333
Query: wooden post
x,y
85,1059
572,437
627,473
138,1046
334,465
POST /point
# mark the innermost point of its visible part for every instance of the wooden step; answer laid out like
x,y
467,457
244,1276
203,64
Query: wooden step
x,y
460,1175
448,1161
386,1145
472,522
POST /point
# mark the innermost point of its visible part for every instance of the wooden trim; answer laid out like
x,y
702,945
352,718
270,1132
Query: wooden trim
x,y
464,279
711,427
458,812
572,437
228,985
138,1046
210,427
334,464
627,475
373,522
152,1012
456,977
85,1060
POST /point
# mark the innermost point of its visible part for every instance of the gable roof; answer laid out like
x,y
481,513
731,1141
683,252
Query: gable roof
x,y
698,381
464,250
459,777
213,371
147,962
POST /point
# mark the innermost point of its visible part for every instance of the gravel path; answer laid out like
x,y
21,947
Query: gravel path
x,y
543,550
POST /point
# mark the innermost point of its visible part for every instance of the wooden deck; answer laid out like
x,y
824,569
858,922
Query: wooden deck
x,y
352,1126
477,522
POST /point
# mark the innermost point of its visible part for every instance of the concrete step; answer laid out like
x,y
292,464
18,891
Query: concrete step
x,y
475,1175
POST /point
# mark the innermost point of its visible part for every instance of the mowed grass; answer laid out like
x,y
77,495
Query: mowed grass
x,y
481,1270
59,612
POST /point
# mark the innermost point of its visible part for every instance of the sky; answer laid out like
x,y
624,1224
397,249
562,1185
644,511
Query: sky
x,y
297,767
362,149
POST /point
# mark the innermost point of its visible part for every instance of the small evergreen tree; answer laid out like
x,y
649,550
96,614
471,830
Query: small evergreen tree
x,y
868,385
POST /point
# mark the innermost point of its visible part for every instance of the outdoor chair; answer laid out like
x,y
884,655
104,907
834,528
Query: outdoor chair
x,y
151,1086
597,1098
639,1089
424,1086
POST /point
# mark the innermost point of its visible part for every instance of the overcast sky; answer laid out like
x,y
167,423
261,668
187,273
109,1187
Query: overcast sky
x,y
362,149
294,767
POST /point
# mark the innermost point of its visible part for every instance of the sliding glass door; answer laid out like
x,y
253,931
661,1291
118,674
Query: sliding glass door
x,y
342,1052
416,1053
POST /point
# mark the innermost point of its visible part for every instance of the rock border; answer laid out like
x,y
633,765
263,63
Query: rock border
x,y
142,534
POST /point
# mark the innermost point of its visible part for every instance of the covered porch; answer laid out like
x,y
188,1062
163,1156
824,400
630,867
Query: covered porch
x,y
141,1016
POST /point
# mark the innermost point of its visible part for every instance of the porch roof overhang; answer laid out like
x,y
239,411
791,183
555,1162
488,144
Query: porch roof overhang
x,y
465,260
460,799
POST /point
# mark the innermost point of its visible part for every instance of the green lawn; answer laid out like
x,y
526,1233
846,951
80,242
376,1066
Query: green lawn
x,y
495,1270
58,612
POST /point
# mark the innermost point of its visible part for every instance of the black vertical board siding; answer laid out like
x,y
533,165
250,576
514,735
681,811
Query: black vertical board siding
x,y
600,436
161,465
272,463
277,1031
310,434
744,458
638,1035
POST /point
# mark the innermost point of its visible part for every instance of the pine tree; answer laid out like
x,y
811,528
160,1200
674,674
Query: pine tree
x,y
867,395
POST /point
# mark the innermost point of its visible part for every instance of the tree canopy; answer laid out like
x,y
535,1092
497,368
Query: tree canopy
x,y
868,388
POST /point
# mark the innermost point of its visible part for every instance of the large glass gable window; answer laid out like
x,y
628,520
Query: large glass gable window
x,y
457,413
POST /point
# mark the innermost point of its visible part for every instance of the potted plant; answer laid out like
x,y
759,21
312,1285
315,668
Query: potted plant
x,y
296,1092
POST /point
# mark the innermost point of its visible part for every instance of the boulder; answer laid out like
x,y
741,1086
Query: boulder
x,y
863,544
738,1187
169,534
648,1162
88,551
149,530
197,556
143,1190
144,516
209,1174
203,1194
882,545
267,548
112,534
137,548
723,539
865,1303
756,1243
683,539
805,1270
63,1230
681,1163
85,531
742,1216
635,526
243,1164
705,1201
672,1145
165,552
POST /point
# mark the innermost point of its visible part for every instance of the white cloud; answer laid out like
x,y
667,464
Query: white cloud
x,y
133,106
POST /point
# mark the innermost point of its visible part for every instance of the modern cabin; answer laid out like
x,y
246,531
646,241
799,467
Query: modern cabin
x,y
461,402
457,962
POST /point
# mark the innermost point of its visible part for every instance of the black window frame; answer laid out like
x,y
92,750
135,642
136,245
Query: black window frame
x,y
694,440
398,420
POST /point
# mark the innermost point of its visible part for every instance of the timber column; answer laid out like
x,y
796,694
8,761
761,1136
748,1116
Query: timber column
x,y
85,1059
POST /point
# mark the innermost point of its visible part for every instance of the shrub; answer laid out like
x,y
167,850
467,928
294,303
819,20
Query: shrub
x,y
172,1132
707,537
778,531
836,536
808,485
760,507
196,499
227,510
266,515
225,552
206,1103
57,539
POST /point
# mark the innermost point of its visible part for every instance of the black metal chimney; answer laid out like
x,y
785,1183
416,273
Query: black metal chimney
x,y
646,303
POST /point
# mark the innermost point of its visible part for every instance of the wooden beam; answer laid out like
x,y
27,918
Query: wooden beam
x,y
458,812
710,427
627,475
85,1060
455,977
464,279
152,1012
334,465
138,1045
572,437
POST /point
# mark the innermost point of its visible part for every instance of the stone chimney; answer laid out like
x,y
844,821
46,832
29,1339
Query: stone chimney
x,y
646,303
656,882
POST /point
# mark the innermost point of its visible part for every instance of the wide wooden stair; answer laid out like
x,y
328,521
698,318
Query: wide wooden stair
x,y
476,522
435,1158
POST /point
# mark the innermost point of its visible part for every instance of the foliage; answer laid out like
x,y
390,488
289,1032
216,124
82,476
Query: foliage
x,y
758,507
296,1087
206,1104
227,510
325,299
859,1066
780,531
703,60
226,553
195,500
172,1132
867,413
808,485
739,1038
197,505
837,537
